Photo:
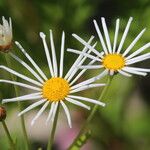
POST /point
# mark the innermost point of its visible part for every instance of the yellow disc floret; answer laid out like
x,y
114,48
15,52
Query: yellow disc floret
x,y
113,62
55,89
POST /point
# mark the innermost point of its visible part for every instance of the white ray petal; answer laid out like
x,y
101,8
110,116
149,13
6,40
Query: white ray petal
x,y
10,24
50,112
74,71
124,73
78,59
111,72
116,35
67,113
106,34
39,113
62,55
20,75
138,51
100,36
124,35
133,43
5,25
83,53
139,69
86,87
43,37
91,67
87,45
87,100
90,86
93,79
80,74
31,60
27,67
32,106
138,59
134,71
55,67
21,84
54,111
23,98
88,52
77,103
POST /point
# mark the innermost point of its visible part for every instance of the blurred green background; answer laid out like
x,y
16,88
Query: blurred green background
x,y
125,123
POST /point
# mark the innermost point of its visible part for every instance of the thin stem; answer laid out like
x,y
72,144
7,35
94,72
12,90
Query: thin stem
x,y
19,107
90,117
52,134
12,145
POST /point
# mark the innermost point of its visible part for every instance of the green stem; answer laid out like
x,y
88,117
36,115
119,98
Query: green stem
x,y
19,107
52,134
90,117
12,145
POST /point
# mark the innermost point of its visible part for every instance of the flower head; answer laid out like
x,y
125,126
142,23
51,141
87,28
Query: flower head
x,y
2,113
113,59
56,89
5,35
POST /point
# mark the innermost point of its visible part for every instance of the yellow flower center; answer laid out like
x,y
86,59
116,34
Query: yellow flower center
x,y
55,89
113,61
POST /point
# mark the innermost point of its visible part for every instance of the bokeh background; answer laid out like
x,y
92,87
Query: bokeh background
x,y
125,123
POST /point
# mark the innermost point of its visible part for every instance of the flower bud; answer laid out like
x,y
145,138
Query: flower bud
x,y
2,113
5,35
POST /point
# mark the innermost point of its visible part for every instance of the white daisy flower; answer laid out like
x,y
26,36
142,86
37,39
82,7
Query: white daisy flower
x,y
113,58
55,89
5,35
